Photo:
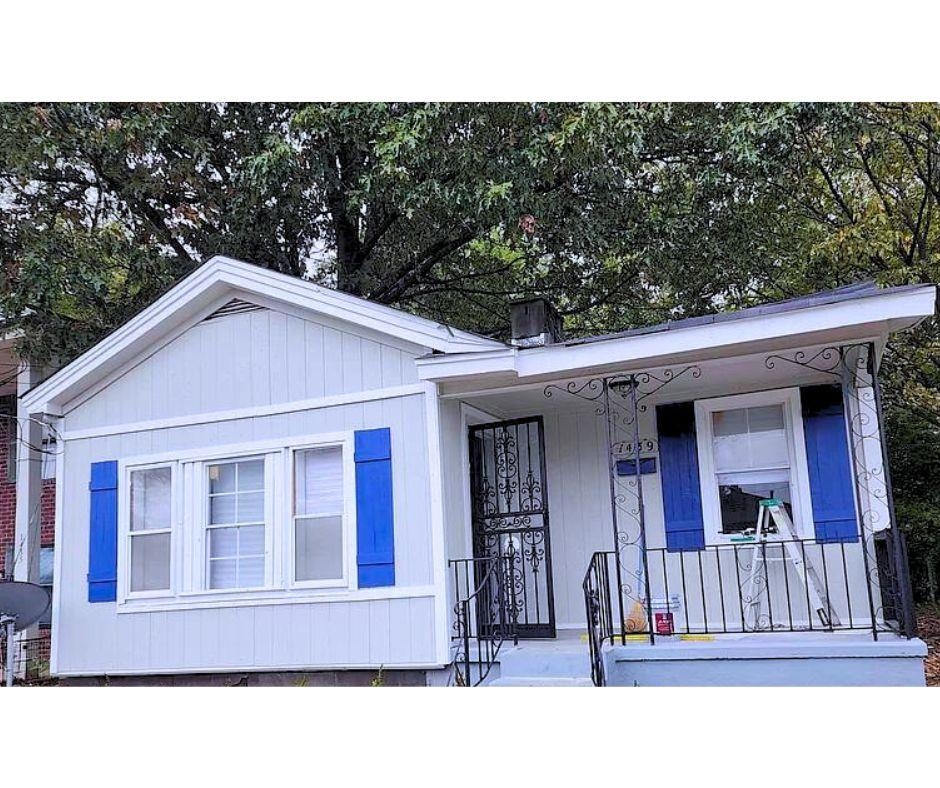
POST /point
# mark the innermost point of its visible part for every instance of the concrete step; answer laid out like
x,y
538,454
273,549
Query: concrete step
x,y
545,660
545,681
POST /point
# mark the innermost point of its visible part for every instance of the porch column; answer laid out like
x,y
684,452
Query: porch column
x,y
28,482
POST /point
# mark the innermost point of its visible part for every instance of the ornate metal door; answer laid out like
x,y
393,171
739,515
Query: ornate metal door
x,y
509,492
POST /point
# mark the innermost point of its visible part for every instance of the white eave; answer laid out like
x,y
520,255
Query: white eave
x,y
869,318
210,284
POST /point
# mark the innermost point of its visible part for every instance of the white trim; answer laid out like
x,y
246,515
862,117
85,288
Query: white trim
x,y
57,559
846,321
125,369
349,580
124,530
188,578
304,667
437,515
184,302
254,411
271,596
796,449
235,450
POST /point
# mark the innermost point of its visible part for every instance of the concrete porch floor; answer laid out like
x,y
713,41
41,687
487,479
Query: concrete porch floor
x,y
769,659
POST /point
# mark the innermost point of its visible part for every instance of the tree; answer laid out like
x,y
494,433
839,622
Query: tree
x,y
624,214
447,209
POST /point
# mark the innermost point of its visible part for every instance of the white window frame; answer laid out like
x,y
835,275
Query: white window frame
x,y
125,534
801,503
348,580
188,540
204,497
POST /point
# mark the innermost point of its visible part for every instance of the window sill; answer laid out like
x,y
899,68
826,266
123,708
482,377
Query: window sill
x,y
198,600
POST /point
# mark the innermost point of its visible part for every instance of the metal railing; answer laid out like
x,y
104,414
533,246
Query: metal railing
x,y
484,616
797,585
600,613
30,660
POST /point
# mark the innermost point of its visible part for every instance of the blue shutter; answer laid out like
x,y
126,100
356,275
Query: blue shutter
x,y
678,464
829,464
102,532
374,515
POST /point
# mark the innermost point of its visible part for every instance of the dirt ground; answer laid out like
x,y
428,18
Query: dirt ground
x,y
928,628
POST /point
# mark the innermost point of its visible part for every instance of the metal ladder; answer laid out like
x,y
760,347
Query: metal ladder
x,y
815,589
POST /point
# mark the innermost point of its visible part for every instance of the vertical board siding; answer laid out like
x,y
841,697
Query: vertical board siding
x,y
255,358
95,639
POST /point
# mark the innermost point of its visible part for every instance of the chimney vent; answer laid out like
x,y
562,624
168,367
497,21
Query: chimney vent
x,y
535,321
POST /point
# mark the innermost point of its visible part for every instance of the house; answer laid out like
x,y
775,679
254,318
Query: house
x,y
27,504
260,477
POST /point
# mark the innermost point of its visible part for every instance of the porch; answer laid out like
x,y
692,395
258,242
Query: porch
x,y
617,513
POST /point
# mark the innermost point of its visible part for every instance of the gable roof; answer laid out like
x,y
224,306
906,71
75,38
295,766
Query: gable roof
x,y
213,286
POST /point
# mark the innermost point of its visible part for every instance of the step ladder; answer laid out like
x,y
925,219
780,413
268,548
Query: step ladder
x,y
815,590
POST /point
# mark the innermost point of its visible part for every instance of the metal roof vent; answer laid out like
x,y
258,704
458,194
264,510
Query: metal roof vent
x,y
535,322
234,307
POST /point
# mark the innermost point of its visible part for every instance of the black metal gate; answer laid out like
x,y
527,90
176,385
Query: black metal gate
x,y
510,518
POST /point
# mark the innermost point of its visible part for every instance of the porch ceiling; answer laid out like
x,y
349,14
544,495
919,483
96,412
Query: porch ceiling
x,y
718,377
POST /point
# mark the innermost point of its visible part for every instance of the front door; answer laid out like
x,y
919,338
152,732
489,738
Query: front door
x,y
509,493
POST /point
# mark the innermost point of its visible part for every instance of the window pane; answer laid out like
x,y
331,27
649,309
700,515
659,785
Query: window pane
x,y
250,572
318,550
768,448
319,481
729,422
46,566
739,504
747,438
768,417
150,499
251,475
223,542
251,507
222,509
731,452
222,478
251,540
150,562
223,573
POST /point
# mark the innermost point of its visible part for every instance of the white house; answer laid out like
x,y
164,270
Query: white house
x,y
259,476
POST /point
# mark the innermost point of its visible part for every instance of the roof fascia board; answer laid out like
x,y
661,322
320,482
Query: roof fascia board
x,y
861,314
845,321
178,329
173,308
181,305
350,308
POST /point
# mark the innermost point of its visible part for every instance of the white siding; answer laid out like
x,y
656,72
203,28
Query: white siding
x,y
277,359
255,358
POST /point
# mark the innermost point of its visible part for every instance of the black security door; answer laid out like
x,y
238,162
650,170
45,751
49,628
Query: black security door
x,y
510,517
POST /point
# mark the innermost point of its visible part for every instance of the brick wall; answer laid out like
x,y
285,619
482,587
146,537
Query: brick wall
x,y
8,503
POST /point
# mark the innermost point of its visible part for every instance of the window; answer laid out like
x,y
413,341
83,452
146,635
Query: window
x,y
46,579
267,519
151,518
318,515
49,451
236,524
750,448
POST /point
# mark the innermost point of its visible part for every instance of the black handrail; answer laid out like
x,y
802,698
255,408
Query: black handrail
x,y
484,616
600,613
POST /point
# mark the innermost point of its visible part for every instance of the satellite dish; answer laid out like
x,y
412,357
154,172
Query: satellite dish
x,y
24,603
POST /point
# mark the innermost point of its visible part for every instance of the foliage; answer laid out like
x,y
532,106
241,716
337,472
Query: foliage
x,y
623,213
